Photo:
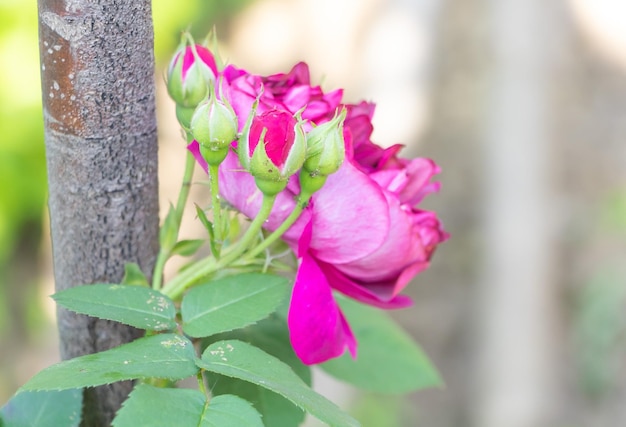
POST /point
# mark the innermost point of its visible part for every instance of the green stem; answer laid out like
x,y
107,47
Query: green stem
x,y
207,266
163,256
190,162
301,203
201,386
215,202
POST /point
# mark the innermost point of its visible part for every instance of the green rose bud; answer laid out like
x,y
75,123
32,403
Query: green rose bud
x,y
326,147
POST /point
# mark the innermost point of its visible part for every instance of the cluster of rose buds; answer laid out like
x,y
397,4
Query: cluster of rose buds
x,y
361,232
272,146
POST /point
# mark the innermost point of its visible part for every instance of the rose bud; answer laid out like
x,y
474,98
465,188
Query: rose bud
x,y
325,149
214,126
190,71
272,148
325,153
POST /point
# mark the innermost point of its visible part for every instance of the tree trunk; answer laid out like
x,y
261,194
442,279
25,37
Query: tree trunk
x,y
101,144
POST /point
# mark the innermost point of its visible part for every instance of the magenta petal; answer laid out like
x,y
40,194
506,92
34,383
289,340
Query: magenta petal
x,y
317,328
305,239
194,148
377,295
297,97
350,217
238,188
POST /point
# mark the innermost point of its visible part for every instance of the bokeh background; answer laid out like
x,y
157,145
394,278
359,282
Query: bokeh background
x,y
521,102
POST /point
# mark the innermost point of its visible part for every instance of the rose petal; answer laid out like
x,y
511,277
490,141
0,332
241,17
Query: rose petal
x,y
403,246
317,328
238,188
305,239
350,217
378,294
194,148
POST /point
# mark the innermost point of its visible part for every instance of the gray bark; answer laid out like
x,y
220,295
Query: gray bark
x,y
101,146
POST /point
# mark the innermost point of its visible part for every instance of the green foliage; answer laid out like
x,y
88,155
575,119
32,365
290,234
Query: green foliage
x,y
231,303
209,228
612,215
22,159
230,411
43,409
272,336
157,407
389,361
137,306
187,247
376,410
237,359
134,276
171,18
600,323
167,356
168,233
153,407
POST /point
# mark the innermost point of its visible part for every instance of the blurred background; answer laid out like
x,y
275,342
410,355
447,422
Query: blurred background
x,y
521,102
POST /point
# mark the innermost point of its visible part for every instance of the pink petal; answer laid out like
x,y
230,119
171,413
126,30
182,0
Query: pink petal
x,y
420,171
403,246
194,148
379,295
231,73
317,328
350,217
238,188
297,97
410,183
305,239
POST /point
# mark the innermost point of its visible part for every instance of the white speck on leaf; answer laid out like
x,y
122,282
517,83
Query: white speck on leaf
x,y
174,342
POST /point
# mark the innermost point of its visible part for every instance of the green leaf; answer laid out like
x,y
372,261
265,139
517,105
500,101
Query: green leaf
x,y
168,234
272,336
209,227
388,361
155,407
275,409
237,359
137,306
231,303
43,409
187,247
167,356
230,411
134,276
204,220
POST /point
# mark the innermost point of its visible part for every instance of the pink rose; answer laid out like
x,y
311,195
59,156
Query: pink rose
x,y
361,235
188,74
289,92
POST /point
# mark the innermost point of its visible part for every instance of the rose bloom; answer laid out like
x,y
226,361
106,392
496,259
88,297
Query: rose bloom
x,y
362,233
